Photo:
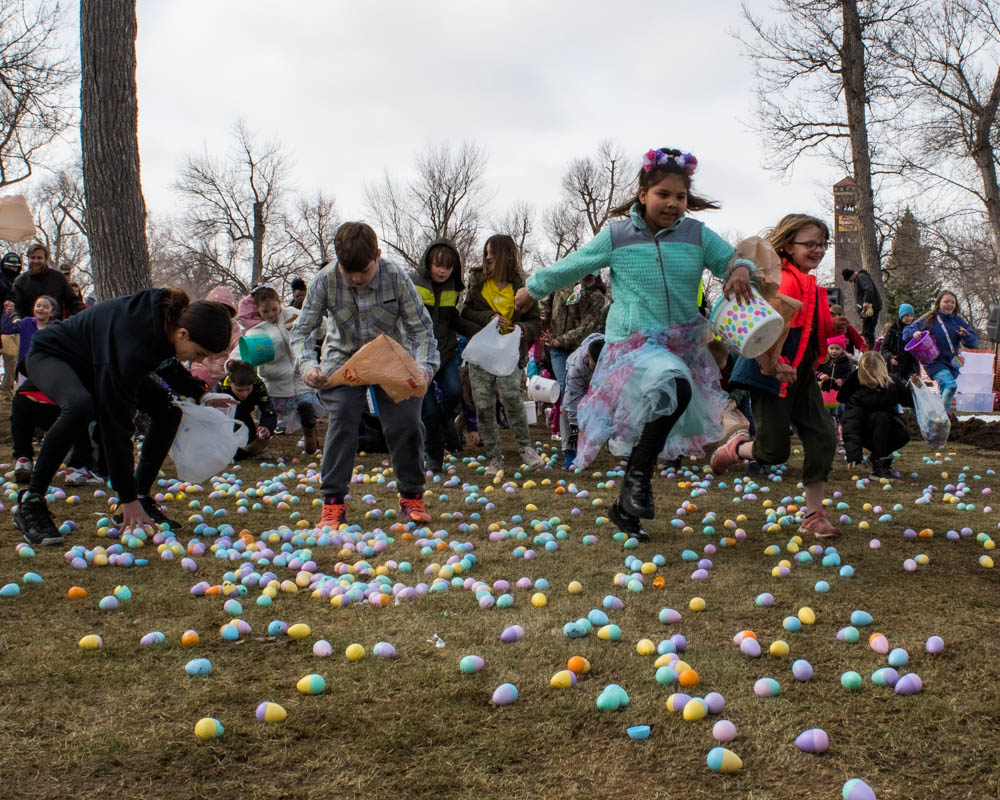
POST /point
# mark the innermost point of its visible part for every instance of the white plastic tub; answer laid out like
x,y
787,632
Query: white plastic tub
x,y
976,403
531,411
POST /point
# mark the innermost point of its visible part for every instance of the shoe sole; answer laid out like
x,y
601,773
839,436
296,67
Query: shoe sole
x,y
48,540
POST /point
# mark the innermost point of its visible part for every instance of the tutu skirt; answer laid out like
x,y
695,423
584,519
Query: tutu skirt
x,y
635,382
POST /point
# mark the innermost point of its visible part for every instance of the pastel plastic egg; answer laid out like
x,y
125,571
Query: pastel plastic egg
x,y
383,650
575,587
687,678
750,647
322,648
898,657
471,664
765,600
563,679
792,624
156,637
298,631
861,618
198,667
802,669
108,603
857,789
189,638
12,590
935,644
695,710
813,740
806,615
645,647
539,600
878,643
669,616
723,731
677,701
90,642
512,633
848,634
504,694
208,728
909,683
354,652
698,604
886,676
722,760
715,702
851,681
766,687
579,665
638,731
778,648
270,713
610,633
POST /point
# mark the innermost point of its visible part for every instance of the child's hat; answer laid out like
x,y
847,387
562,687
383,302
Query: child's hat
x,y
11,261
838,340
846,273
904,309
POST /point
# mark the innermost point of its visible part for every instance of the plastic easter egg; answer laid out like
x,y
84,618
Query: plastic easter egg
x,y
645,647
579,665
715,702
322,648
156,637
813,740
687,678
270,713
667,616
935,644
898,657
471,664
886,676
108,603
851,681
848,634
90,642
597,617
10,590
610,633
694,710
878,643
857,789
355,652
861,618
298,631
792,624
750,647
189,638
723,731
908,684
766,687
677,701
198,667
208,728
311,684
76,593
512,633
233,607
779,648
539,600
722,760
806,615
575,587
697,604
563,679
383,650
504,694
802,669
638,731
765,600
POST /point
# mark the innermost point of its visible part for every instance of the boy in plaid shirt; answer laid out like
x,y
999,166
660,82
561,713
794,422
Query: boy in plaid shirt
x,y
361,296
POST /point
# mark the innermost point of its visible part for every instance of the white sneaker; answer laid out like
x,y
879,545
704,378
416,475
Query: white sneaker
x,y
531,458
495,466
82,477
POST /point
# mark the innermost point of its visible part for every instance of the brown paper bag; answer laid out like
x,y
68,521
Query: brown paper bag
x,y
383,362
16,222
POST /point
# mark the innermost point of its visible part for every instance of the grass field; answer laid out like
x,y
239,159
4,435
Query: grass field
x,y
119,721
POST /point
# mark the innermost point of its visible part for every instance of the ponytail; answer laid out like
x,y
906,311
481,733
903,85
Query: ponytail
x,y
174,303
209,324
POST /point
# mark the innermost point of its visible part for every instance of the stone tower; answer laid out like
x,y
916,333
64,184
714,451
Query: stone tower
x,y
846,241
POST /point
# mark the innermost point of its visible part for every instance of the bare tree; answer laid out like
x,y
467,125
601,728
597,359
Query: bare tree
x,y
231,204
824,83
564,231
949,60
310,230
34,79
171,265
116,209
594,185
59,208
446,198
962,258
518,222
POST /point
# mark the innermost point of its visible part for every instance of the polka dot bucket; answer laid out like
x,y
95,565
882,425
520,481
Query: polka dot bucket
x,y
750,328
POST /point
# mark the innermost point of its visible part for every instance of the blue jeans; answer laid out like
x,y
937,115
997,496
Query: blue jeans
x,y
948,385
437,414
558,359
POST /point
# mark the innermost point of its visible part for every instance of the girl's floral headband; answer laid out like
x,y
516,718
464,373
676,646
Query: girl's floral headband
x,y
686,161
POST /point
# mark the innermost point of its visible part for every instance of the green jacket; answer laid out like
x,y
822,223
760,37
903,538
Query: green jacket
x,y
477,312
441,300
570,324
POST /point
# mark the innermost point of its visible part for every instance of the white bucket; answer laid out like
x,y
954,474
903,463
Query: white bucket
x,y
544,390
751,328
531,411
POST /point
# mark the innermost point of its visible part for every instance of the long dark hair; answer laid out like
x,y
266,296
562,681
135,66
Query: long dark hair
x,y
506,261
648,179
208,324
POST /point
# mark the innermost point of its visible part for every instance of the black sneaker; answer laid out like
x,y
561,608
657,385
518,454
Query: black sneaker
x,y
155,513
33,519
636,498
435,465
627,522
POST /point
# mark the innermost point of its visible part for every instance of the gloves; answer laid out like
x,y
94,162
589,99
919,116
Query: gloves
x,y
867,312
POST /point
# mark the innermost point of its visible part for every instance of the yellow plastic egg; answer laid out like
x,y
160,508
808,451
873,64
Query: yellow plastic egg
x,y
299,631
778,648
354,652
697,604
575,587
645,647
563,679
539,600
806,615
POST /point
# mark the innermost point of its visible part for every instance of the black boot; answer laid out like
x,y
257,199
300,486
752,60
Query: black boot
x,y
883,468
626,522
636,496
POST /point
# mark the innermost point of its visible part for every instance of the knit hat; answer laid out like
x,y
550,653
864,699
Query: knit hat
x,y
904,309
846,273
222,294
838,340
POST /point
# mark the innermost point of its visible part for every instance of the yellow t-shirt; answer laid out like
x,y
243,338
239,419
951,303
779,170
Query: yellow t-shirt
x,y
500,300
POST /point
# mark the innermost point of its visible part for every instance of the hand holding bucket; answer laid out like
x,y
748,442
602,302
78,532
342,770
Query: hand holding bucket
x,y
752,328
256,350
543,389
922,347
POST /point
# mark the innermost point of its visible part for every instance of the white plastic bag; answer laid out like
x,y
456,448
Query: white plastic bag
x,y
206,441
931,416
495,352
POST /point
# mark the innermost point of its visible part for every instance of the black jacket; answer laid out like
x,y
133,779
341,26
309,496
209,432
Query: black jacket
x,y
258,400
441,300
839,370
111,347
865,292
29,287
893,347
860,404
7,278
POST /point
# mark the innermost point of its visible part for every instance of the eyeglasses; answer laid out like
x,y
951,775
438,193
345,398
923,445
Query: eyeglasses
x,y
813,245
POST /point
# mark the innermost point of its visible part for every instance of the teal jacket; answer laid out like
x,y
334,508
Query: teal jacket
x,y
642,266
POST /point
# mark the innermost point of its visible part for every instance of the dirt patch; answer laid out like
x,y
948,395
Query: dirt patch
x,y
975,432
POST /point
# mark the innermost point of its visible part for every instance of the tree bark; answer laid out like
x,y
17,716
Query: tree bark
x,y
855,100
116,210
258,243
985,161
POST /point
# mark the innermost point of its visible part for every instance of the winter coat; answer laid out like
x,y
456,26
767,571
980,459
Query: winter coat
x,y
30,286
477,312
893,347
569,323
441,300
859,403
944,329
865,292
836,371
280,375
258,400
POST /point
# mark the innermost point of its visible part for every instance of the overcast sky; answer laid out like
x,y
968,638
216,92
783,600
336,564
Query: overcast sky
x,y
356,88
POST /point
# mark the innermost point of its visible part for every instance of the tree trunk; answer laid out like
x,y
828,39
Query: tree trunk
x,y
855,98
258,243
116,210
984,157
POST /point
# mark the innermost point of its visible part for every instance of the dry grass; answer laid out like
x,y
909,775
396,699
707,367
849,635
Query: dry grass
x,y
118,722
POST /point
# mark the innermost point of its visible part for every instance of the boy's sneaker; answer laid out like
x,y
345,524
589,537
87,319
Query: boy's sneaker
x,y
334,515
495,466
727,455
22,470
818,525
435,465
33,519
531,458
82,477
626,522
154,512
413,507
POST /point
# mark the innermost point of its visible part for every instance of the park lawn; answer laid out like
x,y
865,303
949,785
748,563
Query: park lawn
x,y
118,722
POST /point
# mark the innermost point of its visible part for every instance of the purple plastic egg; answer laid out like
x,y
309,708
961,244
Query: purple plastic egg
x,y
813,740
724,731
504,694
935,644
750,647
909,684
715,702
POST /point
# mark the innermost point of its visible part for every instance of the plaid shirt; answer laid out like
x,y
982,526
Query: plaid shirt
x,y
389,304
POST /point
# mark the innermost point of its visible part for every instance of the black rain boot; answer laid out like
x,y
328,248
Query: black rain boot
x,y
883,468
627,522
636,496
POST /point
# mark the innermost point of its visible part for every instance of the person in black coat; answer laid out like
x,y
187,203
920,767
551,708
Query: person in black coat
x,y
96,365
901,364
42,279
868,301
871,419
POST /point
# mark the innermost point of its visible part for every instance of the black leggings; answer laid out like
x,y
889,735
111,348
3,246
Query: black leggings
x,y
26,415
60,383
655,432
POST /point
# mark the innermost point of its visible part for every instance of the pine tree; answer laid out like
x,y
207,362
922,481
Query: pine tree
x,y
909,277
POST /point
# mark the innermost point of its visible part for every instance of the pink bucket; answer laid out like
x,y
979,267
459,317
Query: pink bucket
x,y
922,347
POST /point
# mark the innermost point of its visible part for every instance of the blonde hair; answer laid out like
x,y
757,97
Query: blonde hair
x,y
783,234
872,371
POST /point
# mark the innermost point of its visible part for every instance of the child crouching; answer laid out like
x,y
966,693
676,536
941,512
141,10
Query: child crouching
x,y
580,368
871,420
241,382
